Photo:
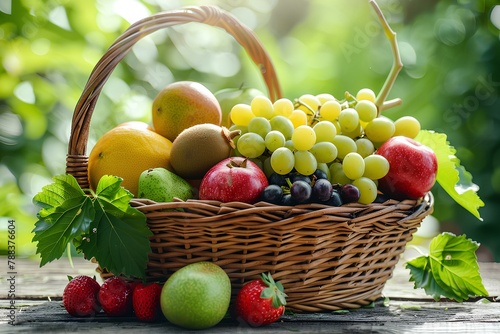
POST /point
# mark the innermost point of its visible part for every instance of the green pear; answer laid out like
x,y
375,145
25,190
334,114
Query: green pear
x,y
161,185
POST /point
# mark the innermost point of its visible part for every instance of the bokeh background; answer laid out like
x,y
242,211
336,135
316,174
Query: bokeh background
x,y
450,82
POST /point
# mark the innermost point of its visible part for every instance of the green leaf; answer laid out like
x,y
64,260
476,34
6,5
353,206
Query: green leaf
x,y
421,274
451,176
109,189
454,262
65,187
105,227
119,236
66,213
450,269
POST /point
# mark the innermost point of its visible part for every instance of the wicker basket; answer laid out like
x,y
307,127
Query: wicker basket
x,y
327,258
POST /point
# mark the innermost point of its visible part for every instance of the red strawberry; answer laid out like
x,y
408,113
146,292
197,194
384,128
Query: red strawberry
x,y
261,302
80,296
146,301
115,297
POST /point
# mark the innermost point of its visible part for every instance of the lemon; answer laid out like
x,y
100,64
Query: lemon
x,y
126,151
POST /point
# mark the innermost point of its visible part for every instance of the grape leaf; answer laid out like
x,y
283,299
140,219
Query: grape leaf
x,y
421,274
450,269
119,237
103,226
451,176
66,213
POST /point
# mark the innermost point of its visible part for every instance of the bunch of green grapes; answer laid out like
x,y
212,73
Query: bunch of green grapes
x,y
339,137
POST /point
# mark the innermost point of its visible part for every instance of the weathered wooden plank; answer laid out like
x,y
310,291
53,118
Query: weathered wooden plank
x,y
409,310
398,316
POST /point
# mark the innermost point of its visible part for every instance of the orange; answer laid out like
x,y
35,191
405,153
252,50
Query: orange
x,y
126,151
183,104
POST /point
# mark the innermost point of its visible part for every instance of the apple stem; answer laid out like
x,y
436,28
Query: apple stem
x,y
397,64
233,164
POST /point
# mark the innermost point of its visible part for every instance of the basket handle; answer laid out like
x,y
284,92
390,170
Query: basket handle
x,y
77,160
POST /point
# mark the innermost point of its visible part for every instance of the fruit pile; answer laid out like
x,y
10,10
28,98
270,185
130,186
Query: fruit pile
x,y
313,149
196,296
303,144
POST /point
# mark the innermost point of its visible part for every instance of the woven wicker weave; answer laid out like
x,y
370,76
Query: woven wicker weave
x,y
327,258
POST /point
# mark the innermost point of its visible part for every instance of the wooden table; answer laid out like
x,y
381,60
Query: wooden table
x,y
38,307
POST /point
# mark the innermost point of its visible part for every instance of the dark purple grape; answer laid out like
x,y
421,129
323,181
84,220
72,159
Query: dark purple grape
x,y
277,179
334,199
287,200
299,177
349,193
381,198
321,190
272,194
320,174
301,191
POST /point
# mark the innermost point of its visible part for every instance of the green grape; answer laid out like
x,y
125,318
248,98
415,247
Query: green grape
x,y
356,133
298,118
283,107
289,145
367,110
309,104
324,152
353,165
348,120
305,162
334,167
259,125
337,126
282,161
376,167
325,131
282,124
407,126
330,111
338,176
324,167
262,106
241,114
325,97
364,147
380,129
366,94
241,128
344,145
367,189
251,145
267,168
274,140
303,138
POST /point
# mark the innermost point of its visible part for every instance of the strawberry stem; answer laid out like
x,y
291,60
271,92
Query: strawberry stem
x,y
274,290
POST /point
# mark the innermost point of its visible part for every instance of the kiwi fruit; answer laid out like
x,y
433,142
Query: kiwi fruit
x,y
198,148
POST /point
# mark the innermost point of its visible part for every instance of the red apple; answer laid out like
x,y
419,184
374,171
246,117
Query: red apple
x,y
234,179
412,170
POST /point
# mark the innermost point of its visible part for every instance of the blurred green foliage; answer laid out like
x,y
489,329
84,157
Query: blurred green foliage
x,y
450,82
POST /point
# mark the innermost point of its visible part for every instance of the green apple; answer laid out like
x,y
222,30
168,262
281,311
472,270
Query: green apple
x,y
230,97
197,296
